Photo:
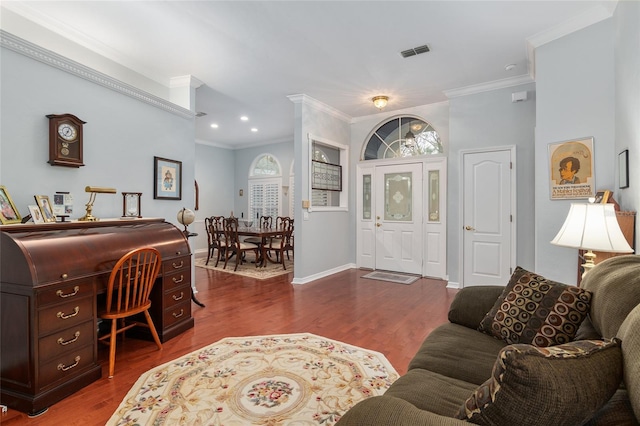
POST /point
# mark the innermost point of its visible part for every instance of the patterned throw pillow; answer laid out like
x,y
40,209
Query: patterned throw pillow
x,y
535,310
557,385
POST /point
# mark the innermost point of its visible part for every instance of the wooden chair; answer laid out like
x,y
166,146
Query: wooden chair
x,y
128,291
233,245
275,241
215,234
284,242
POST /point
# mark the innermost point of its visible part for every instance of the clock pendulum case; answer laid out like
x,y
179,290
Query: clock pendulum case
x,y
65,140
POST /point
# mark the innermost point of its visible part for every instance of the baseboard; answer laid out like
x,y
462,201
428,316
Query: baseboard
x,y
310,278
454,285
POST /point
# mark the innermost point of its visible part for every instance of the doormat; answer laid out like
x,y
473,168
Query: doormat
x,y
391,277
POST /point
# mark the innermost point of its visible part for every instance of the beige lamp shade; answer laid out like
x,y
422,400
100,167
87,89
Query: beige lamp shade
x,y
592,227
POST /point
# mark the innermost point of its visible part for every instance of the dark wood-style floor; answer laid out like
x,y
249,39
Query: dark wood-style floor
x,y
389,318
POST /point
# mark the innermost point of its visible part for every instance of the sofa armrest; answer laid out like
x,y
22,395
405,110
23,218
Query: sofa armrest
x,y
391,411
471,304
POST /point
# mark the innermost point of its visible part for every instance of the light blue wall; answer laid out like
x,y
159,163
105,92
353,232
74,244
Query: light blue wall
x,y
627,106
491,119
575,98
121,137
214,169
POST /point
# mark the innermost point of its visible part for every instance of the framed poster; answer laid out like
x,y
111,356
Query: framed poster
x,y
9,213
571,169
167,176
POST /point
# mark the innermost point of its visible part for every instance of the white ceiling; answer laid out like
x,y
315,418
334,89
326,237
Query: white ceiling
x,y
251,55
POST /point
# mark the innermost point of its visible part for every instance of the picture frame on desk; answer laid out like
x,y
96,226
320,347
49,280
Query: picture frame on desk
x,y
167,175
623,169
45,208
8,212
36,214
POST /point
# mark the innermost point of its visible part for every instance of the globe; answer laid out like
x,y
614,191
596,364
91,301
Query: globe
x,y
186,217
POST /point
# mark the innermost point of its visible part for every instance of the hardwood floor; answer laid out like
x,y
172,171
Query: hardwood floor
x,y
389,318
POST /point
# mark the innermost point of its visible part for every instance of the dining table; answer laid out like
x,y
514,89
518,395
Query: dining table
x,y
264,234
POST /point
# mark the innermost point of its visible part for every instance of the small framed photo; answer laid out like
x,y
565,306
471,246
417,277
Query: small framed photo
x,y
623,169
602,197
167,176
9,213
45,208
36,214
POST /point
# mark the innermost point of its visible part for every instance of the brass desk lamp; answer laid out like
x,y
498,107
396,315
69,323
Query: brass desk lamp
x,y
94,190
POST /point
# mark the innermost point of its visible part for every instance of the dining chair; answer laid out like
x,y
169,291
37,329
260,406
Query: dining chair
x,y
233,245
284,241
215,234
128,291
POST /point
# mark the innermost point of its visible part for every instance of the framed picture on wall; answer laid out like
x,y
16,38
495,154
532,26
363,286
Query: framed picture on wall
x,y
167,176
571,169
623,169
9,213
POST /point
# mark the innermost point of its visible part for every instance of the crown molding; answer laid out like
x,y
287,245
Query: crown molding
x,y
491,85
308,100
33,51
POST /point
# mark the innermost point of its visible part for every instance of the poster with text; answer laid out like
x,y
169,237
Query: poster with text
x,y
571,169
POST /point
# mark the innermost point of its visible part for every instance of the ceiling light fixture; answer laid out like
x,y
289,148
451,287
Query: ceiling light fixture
x,y
244,118
214,125
253,129
510,67
409,138
380,101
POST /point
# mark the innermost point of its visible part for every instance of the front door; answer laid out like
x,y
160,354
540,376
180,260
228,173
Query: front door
x,y
398,218
488,200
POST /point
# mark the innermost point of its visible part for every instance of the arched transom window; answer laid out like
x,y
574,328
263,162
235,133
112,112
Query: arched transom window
x,y
403,137
265,187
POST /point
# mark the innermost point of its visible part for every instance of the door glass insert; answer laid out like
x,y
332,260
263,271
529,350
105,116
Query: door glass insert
x,y
366,196
434,195
398,201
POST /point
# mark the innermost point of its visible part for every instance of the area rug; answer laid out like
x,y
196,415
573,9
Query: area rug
x,y
291,379
391,277
248,267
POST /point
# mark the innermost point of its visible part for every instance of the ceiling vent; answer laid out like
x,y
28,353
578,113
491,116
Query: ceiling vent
x,y
200,114
415,51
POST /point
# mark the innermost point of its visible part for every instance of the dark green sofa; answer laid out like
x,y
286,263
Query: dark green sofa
x,y
455,359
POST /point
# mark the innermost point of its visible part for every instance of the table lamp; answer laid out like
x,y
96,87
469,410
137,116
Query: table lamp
x,y
592,227
94,190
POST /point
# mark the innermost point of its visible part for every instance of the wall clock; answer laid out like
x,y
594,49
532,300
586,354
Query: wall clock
x,y
65,140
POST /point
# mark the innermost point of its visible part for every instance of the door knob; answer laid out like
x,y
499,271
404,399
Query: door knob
x,y
378,224
469,228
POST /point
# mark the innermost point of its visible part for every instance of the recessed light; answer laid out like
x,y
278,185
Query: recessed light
x,y
244,118
509,67
214,125
253,129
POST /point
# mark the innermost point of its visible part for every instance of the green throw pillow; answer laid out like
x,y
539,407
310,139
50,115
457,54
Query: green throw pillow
x,y
556,385
535,310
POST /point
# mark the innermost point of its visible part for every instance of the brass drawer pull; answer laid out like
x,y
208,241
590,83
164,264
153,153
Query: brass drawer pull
x,y
62,315
178,315
177,266
76,289
178,298
62,342
62,367
178,281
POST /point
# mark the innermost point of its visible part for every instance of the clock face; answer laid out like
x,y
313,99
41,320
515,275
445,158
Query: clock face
x,y
67,132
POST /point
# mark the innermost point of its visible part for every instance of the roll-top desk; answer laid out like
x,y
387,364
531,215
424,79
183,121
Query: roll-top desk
x,y
50,278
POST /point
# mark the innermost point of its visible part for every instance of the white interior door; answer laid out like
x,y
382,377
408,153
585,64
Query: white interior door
x,y
487,225
398,218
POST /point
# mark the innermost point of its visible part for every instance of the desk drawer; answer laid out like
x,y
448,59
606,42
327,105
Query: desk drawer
x,y
60,317
169,266
176,296
175,280
65,293
177,313
68,340
66,366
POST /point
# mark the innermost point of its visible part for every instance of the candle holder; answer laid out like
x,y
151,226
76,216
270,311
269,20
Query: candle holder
x,y
131,204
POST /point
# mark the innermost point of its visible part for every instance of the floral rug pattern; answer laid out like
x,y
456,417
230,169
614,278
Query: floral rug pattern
x,y
290,379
